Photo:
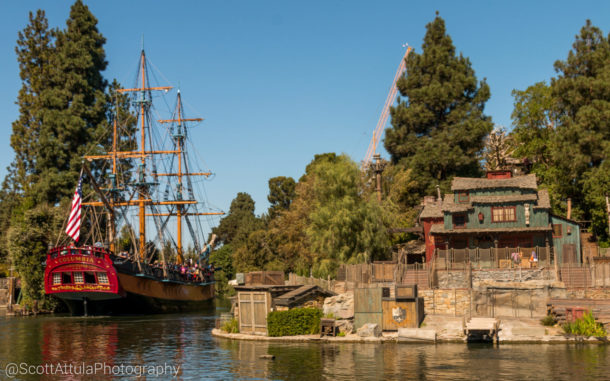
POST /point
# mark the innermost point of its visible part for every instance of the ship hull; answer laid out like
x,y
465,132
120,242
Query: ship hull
x,y
90,284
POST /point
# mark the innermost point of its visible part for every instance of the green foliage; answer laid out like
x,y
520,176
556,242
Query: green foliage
x,y
548,321
231,326
438,131
281,194
341,334
298,321
585,326
564,129
30,234
343,226
74,107
239,222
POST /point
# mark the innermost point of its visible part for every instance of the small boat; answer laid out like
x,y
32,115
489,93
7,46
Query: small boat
x,y
93,278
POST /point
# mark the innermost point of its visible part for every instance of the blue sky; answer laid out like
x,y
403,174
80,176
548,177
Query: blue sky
x,y
280,81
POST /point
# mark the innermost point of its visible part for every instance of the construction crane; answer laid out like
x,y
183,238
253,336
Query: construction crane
x,y
384,113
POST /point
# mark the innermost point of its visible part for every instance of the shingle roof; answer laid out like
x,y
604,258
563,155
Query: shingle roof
x,y
440,229
544,202
450,206
468,183
431,211
505,198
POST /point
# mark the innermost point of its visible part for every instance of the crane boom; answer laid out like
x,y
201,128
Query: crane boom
x,y
383,118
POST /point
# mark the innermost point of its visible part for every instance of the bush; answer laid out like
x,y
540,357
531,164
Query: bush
x,y
298,321
231,326
585,326
548,321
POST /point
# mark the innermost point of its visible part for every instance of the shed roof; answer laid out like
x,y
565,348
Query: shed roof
x,y
450,206
301,294
468,183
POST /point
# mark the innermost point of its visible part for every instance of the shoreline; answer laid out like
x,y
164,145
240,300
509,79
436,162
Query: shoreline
x,y
440,329
393,338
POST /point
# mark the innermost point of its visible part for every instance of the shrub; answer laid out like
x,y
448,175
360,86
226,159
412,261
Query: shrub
x,y
585,326
548,321
231,326
298,321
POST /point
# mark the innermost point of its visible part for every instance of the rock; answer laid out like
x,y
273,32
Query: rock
x,y
341,306
369,330
267,357
346,326
417,334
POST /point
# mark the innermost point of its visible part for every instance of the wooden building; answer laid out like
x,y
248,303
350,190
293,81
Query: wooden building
x,y
499,211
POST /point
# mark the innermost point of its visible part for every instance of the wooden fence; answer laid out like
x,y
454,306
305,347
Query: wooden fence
x,y
493,258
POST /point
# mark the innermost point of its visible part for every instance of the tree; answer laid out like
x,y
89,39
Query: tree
x,y
498,149
438,131
34,53
343,226
535,119
74,106
281,194
582,97
239,222
32,230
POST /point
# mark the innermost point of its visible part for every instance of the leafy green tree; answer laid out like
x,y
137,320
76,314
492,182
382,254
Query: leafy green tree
x,y
281,194
32,230
438,131
343,226
535,119
582,95
239,222
75,106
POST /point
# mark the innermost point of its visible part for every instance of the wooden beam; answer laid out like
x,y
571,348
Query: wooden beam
x,y
180,120
186,214
207,174
144,89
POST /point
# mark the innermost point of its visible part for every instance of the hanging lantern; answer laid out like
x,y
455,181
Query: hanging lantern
x,y
481,217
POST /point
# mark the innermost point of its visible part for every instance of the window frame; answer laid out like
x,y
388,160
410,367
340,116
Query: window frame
x,y
462,215
560,230
463,197
504,214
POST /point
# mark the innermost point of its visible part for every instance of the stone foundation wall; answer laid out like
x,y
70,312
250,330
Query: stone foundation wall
x,y
588,293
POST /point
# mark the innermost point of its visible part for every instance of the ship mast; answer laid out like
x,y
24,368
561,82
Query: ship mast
x,y
179,135
144,102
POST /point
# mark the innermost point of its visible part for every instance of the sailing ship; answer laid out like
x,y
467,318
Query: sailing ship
x,y
156,180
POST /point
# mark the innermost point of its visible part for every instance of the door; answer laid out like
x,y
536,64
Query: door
x,y
569,253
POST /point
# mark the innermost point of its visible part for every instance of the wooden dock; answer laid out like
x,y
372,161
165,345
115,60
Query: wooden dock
x,y
482,329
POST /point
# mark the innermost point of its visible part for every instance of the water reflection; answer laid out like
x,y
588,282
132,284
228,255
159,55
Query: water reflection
x,y
185,341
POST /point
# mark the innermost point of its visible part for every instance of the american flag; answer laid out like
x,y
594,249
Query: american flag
x,y
73,228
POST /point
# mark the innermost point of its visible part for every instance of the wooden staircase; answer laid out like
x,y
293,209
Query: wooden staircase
x,y
575,277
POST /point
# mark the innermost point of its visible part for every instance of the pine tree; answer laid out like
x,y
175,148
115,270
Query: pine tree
x,y
438,131
75,106
34,51
281,194
581,147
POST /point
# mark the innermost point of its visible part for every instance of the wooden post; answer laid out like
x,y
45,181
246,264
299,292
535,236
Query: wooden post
x,y
608,210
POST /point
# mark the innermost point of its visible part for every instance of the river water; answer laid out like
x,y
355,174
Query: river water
x,y
124,347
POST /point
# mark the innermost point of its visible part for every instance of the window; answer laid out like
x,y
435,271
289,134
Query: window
x,y
102,278
66,278
463,197
56,278
78,277
459,221
557,231
503,214
90,278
